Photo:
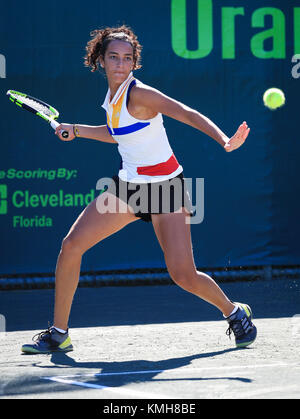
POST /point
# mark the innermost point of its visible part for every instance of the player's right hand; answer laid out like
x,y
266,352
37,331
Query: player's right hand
x,y
65,127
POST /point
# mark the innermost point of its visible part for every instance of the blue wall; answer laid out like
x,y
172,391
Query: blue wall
x,y
251,206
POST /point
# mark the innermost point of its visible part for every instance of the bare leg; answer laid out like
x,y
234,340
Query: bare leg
x,y
89,229
174,237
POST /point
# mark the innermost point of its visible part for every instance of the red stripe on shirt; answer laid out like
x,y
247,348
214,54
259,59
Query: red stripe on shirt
x,y
164,168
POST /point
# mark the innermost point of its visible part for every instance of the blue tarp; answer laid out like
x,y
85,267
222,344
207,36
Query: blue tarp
x,y
215,56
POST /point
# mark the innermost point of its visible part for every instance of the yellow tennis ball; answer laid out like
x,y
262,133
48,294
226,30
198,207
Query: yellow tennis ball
x,y
274,98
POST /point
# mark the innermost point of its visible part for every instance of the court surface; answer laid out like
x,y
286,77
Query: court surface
x,y
154,342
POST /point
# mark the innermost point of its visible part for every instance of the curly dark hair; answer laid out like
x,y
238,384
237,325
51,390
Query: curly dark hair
x,y
97,46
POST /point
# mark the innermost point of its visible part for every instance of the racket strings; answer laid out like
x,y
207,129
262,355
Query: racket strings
x,y
35,105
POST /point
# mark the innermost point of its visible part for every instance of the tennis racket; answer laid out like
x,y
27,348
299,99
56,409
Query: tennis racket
x,y
37,107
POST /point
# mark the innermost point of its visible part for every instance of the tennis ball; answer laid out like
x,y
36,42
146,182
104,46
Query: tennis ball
x,y
274,98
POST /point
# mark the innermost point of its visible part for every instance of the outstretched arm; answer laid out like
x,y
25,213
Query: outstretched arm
x,y
153,99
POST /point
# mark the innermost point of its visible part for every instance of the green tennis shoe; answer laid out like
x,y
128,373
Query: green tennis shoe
x,y
49,341
240,323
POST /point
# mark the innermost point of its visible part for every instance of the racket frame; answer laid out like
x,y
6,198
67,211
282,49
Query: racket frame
x,y
50,119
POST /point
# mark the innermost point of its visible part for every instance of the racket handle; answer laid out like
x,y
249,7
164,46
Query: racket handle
x,y
55,124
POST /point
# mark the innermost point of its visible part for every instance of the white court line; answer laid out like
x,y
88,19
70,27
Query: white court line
x,y
118,390
185,369
108,374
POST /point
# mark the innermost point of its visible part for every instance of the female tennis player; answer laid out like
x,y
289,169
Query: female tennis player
x,y
134,122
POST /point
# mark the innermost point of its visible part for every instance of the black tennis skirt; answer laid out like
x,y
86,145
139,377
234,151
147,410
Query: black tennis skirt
x,y
153,198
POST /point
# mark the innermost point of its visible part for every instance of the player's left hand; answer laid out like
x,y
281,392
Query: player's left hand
x,y
238,139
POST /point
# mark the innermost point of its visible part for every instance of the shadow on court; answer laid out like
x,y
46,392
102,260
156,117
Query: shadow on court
x,y
110,373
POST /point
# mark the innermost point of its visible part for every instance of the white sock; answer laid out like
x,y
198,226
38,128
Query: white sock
x,y
233,311
59,330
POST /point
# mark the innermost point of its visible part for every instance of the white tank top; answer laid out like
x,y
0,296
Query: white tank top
x,y
143,144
